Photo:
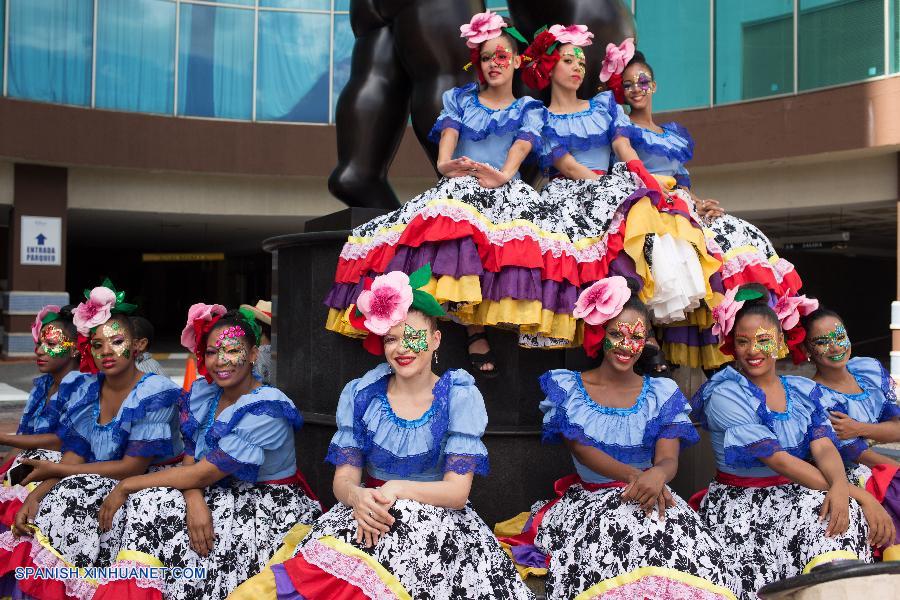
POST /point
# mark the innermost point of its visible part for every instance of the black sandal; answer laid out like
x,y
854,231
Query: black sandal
x,y
478,360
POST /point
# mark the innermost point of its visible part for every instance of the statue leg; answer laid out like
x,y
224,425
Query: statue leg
x,y
371,117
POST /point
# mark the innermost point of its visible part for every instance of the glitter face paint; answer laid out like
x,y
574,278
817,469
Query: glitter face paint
x,y
765,341
642,82
117,338
54,342
836,338
630,337
501,57
578,54
414,340
229,348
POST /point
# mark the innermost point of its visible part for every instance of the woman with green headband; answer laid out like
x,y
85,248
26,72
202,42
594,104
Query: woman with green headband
x,y
118,422
237,492
57,360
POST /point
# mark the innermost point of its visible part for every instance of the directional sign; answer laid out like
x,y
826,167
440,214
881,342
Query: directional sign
x,y
41,241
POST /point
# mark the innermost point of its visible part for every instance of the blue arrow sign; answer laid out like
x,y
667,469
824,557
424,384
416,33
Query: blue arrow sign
x,y
41,238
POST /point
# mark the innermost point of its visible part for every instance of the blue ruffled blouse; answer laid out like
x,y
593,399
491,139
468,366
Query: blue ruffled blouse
x,y
487,134
251,440
743,429
629,435
41,414
663,153
586,135
146,424
446,438
876,403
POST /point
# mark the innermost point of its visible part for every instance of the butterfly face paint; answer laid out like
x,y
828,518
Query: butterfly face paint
x,y
115,336
501,57
54,342
642,82
765,341
837,338
414,340
628,337
229,348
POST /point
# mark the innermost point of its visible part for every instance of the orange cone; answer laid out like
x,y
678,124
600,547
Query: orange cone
x,y
190,374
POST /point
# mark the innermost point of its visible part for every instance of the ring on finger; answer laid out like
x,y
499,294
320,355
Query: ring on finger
x,y
371,515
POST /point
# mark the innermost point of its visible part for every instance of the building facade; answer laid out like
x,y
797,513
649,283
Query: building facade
x,y
170,137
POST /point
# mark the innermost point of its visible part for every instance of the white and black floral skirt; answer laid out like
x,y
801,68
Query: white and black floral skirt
x,y
600,547
430,552
249,523
12,496
772,533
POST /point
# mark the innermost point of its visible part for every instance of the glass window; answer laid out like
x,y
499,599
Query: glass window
x,y
341,4
50,44
895,35
343,49
754,49
136,55
839,41
674,37
237,2
307,4
293,77
2,29
215,62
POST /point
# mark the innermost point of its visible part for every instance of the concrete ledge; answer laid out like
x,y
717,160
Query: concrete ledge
x,y
29,303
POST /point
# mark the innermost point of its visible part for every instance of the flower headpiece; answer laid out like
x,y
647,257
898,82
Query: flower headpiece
x,y
100,304
386,300
200,321
598,304
483,27
254,325
788,308
617,58
46,315
543,54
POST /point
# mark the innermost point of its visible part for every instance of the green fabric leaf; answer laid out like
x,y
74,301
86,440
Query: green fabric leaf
x,y
552,48
420,277
515,33
251,321
747,294
540,31
49,318
427,304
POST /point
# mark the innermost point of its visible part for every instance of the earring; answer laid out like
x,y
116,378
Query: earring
x,y
435,357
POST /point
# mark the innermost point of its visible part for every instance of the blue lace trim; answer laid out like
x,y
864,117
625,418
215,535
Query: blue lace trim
x,y
151,404
499,126
228,464
536,141
603,410
886,386
345,456
850,452
385,460
159,447
277,409
663,425
748,456
188,424
467,463
889,411
39,406
698,403
643,140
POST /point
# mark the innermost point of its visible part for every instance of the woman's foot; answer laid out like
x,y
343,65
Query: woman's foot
x,y
480,355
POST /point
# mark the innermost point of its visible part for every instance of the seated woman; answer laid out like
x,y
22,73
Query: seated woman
x,y
616,528
610,219
781,503
228,506
747,254
859,395
406,530
481,227
117,423
57,359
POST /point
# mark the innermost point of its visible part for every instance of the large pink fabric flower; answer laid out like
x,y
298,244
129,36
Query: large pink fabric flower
x,y
96,310
386,303
790,308
723,315
199,311
483,26
38,325
573,34
616,58
602,301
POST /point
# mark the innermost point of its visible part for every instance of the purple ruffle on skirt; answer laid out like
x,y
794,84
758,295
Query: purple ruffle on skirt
x,y
523,283
529,556
284,587
690,335
455,258
891,504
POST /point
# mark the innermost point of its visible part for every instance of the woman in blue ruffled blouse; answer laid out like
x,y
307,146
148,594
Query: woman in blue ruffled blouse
x,y
616,526
237,491
117,423
781,502
407,448
859,395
